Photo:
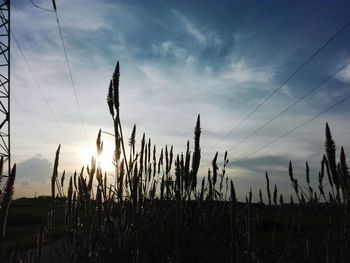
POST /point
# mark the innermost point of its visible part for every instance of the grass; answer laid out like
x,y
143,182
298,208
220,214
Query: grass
x,y
159,210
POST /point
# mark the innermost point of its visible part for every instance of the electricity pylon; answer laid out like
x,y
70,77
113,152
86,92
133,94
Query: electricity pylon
x,y
5,149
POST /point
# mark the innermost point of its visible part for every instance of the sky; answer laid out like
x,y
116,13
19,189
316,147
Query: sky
x,y
179,59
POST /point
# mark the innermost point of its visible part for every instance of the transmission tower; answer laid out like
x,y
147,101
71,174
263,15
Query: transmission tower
x,y
5,149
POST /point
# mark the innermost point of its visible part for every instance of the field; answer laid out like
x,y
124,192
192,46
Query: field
x,y
288,235
160,210
26,218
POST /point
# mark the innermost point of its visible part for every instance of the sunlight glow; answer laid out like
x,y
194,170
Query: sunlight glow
x,y
106,158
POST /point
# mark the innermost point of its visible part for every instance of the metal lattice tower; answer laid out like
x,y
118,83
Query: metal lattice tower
x,y
5,149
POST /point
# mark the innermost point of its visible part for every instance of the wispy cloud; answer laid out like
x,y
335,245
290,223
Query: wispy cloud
x,y
344,75
168,49
242,72
204,36
192,30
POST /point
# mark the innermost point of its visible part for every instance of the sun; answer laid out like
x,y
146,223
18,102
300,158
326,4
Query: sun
x,y
105,159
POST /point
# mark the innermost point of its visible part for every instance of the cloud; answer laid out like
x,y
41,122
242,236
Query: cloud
x,y
204,36
193,31
263,164
168,49
35,169
344,75
242,72
33,176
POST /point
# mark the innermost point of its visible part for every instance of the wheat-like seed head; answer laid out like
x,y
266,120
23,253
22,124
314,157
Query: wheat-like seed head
x,y
55,171
6,200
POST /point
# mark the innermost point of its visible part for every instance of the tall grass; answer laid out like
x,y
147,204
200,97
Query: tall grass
x,y
6,194
159,210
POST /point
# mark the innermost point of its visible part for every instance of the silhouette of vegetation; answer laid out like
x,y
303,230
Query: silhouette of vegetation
x,y
5,200
159,210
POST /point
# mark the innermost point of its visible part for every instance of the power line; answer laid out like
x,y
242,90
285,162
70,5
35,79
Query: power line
x,y
67,62
293,130
290,106
39,88
43,96
299,68
41,8
70,73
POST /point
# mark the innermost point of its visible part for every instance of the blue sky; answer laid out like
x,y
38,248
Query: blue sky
x,y
178,59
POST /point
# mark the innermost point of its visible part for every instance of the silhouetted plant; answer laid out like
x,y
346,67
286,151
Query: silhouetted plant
x,y
6,194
